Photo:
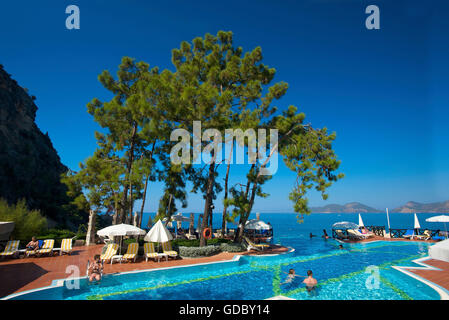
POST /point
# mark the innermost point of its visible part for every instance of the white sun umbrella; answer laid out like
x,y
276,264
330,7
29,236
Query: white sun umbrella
x,y
360,221
388,221
416,224
158,233
442,219
120,230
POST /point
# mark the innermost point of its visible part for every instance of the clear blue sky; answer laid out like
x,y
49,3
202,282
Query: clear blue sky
x,y
385,92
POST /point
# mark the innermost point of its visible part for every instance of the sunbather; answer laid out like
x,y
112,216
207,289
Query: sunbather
x,y
33,245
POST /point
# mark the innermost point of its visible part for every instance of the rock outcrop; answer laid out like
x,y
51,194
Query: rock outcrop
x,y
30,167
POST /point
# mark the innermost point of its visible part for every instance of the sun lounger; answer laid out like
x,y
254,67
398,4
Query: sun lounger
x,y
409,234
131,253
427,235
66,246
111,251
11,248
149,252
440,236
341,235
167,249
47,247
353,234
252,245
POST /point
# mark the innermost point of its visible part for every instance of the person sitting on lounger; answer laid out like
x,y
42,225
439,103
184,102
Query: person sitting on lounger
x,y
95,269
291,276
33,245
310,281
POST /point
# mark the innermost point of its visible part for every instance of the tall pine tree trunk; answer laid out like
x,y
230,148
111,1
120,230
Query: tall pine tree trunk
x,y
207,205
90,237
225,207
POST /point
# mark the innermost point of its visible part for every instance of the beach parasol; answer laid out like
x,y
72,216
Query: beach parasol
x,y
360,221
388,220
442,219
120,230
416,225
158,233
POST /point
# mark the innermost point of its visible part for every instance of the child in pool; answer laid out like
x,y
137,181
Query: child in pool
x,y
291,276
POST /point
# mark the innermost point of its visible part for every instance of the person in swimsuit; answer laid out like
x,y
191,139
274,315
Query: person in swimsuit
x,y
33,245
291,276
325,236
95,269
310,281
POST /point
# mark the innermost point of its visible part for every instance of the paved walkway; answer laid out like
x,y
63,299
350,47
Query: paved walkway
x,y
18,275
440,278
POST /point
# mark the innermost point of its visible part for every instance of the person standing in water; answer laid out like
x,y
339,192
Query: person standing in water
x,y
310,281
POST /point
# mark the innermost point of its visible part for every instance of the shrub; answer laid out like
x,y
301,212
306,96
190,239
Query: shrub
x,y
232,247
194,252
27,223
196,242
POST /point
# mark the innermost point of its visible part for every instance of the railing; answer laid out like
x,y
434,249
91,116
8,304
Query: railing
x,y
377,230
399,233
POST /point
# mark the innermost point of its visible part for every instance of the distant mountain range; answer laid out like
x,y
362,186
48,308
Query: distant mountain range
x,y
409,207
352,207
436,207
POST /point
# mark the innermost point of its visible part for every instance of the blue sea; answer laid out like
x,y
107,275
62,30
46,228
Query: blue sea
x,y
285,225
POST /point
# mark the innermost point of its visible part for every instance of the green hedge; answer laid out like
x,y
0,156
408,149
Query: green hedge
x,y
196,242
232,247
193,252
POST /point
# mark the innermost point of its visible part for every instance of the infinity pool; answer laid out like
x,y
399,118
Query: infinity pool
x,y
359,271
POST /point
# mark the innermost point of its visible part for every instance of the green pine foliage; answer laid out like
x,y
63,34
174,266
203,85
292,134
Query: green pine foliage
x,y
223,87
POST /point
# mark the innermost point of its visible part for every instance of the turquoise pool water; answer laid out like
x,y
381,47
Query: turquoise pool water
x,y
341,274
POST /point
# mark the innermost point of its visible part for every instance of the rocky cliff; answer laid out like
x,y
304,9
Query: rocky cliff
x,y
30,167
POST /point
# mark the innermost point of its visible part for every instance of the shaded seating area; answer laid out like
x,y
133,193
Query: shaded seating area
x,y
252,245
258,231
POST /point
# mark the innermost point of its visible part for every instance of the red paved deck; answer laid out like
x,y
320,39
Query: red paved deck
x,y
18,275
440,278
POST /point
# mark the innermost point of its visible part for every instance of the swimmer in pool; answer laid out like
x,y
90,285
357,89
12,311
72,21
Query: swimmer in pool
x,y
291,276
